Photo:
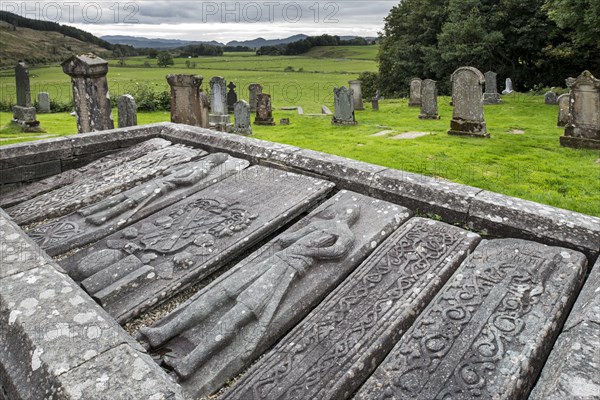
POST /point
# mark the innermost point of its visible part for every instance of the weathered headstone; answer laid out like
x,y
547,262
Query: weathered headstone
x,y
571,371
468,118
280,283
353,337
284,121
70,176
94,222
242,124
186,102
264,110
204,109
90,92
325,110
356,87
491,95
485,334
218,101
44,102
564,103
23,112
127,111
232,97
551,98
255,89
508,87
583,129
135,268
429,102
375,104
415,93
343,107
69,198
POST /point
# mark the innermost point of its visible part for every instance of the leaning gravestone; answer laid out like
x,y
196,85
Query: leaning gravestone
x,y
255,89
264,110
583,129
44,102
415,93
356,87
280,283
218,102
23,113
155,258
468,118
491,95
186,102
564,103
127,111
508,87
343,107
362,319
242,124
232,96
487,332
90,92
429,102
96,221
69,198
551,98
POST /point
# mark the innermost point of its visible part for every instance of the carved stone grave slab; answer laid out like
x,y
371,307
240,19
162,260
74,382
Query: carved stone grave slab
x,y
227,325
571,371
82,192
190,240
488,332
68,177
94,222
342,341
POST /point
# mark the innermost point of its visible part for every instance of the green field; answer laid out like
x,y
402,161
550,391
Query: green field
x,y
532,165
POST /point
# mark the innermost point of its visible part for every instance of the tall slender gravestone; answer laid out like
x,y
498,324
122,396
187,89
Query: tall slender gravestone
x,y
90,92
583,129
468,118
127,111
356,87
508,86
429,103
415,93
255,89
491,95
264,110
44,102
23,113
551,98
186,102
218,102
343,102
232,96
241,114
564,102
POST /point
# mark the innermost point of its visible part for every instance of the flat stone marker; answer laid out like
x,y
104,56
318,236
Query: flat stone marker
x,y
242,124
284,121
325,110
356,87
491,95
571,371
187,105
127,111
551,98
343,103
92,223
294,108
280,283
508,87
44,102
68,177
66,199
415,93
583,128
516,131
337,347
300,111
254,90
486,334
264,110
410,135
564,103
382,133
153,259
467,117
429,101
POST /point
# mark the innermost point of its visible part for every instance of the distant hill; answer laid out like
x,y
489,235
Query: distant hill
x,y
260,42
142,42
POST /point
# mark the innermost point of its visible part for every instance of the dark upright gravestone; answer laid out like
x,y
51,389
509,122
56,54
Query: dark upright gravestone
x,y
254,90
429,102
127,111
583,129
264,110
551,98
564,103
343,107
90,92
23,112
232,97
467,118
186,102
415,93
491,95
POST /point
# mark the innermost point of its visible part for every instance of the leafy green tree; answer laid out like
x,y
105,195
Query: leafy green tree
x,y
152,53
164,59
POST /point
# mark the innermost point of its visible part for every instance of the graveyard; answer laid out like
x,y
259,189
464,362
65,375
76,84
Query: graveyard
x,y
317,223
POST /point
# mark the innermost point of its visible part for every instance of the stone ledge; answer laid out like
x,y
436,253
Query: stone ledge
x,y
16,155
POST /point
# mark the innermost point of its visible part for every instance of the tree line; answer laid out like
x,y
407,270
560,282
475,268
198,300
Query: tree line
x,y
537,43
304,45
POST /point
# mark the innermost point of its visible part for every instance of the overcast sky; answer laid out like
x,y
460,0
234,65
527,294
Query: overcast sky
x,y
211,20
